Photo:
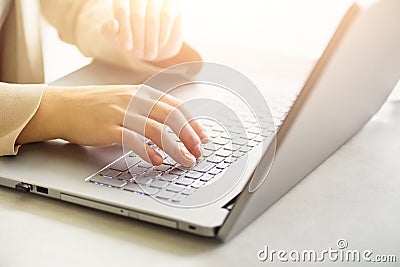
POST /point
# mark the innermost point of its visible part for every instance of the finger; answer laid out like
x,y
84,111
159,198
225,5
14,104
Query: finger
x,y
137,144
138,14
157,95
197,127
110,29
121,13
152,30
175,102
167,18
175,41
155,131
171,116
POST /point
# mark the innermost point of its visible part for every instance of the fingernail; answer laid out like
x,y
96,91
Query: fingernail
x,y
197,151
157,160
204,137
188,157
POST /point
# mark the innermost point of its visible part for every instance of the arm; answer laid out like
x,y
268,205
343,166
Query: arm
x,y
104,107
19,104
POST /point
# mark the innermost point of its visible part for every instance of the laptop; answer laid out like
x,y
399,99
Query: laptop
x,y
242,174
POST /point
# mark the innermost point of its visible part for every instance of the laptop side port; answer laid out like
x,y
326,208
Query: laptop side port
x,y
23,187
42,190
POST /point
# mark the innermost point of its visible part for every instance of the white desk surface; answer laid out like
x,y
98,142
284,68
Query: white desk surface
x,y
355,195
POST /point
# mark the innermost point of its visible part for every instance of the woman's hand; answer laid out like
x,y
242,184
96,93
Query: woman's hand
x,y
105,115
147,29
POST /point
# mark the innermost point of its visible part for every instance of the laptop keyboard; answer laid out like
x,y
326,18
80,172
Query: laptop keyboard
x,y
172,182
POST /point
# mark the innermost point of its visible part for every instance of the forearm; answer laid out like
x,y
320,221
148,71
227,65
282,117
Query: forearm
x,y
19,104
44,123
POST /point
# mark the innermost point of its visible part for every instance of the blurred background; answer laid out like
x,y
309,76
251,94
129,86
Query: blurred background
x,y
250,36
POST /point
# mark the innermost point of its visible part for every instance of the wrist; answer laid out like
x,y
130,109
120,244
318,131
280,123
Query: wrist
x,y
43,125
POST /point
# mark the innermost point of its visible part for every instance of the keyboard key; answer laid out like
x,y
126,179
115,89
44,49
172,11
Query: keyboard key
x,y
197,184
237,154
159,184
204,166
162,168
211,146
107,181
145,164
137,170
143,180
175,188
184,181
208,123
207,153
188,191
177,171
222,165
231,147
229,135
255,130
178,198
215,159
124,163
169,161
183,167
141,189
248,136
220,141
193,174
110,173
252,143
152,173
165,194
249,124
230,160
218,128
245,149
266,133
169,177
223,153
206,177
236,129
214,134
239,141
214,171
125,176
258,138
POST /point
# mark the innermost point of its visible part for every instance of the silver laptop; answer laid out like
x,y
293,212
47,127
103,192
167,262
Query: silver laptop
x,y
241,173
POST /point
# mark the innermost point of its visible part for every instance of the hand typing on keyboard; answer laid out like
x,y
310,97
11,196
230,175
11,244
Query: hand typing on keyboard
x,y
105,115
